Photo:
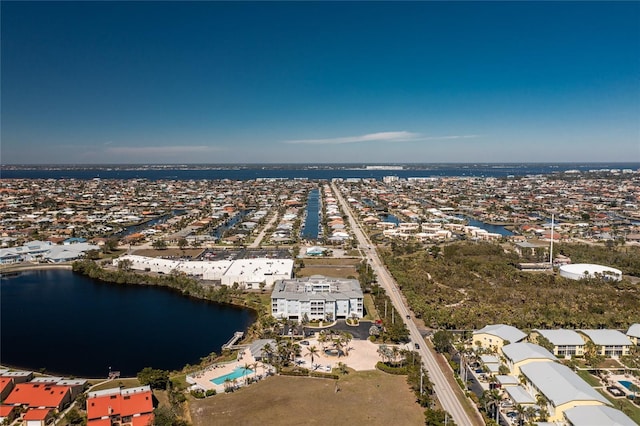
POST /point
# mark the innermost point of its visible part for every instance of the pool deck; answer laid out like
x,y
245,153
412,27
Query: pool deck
x,y
360,355
203,378
617,378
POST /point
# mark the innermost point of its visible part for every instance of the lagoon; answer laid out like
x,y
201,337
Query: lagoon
x,y
73,325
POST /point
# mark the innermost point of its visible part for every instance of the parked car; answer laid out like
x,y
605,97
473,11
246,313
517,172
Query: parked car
x,y
417,346
305,342
327,368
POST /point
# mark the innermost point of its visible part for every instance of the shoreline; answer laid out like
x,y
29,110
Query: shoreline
x,y
20,267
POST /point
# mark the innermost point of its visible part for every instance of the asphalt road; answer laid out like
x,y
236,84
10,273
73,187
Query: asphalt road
x,y
443,390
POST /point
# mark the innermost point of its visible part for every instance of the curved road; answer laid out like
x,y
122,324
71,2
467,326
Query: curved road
x,y
443,390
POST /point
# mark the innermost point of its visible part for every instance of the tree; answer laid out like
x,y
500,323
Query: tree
x,y
312,351
156,379
125,264
442,340
74,417
159,245
182,243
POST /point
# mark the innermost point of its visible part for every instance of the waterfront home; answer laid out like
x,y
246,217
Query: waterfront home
x,y
39,395
566,343
496,335
610,343
127,407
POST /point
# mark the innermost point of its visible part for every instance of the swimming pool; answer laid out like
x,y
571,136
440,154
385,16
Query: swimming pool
x,y
235,374
626,383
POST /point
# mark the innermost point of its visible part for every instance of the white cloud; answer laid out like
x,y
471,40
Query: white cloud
x,y
402,136
381,136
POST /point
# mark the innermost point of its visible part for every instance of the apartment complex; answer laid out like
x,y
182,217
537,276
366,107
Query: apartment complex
x,y
317,298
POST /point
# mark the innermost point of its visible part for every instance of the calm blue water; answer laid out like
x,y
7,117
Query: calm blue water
x,y
626,383
323,172
496,229
73,325
235,374
312,220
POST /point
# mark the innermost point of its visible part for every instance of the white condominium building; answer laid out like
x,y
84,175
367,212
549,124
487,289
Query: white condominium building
x,y
317,298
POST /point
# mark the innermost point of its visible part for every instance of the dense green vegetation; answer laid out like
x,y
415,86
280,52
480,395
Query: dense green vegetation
x,y
470,285
177,281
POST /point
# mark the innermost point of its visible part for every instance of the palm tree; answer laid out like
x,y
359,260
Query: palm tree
x,y
267,352
247,366
520,410
383,351
227,385
346,337
395,352
312,350
530,413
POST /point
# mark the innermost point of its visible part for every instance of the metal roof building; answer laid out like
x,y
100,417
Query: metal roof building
x,y
579,271
597,415
562,387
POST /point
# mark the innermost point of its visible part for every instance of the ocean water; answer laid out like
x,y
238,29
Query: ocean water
x,y
316,172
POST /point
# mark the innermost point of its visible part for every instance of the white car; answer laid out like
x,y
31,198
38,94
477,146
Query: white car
x,y
327,368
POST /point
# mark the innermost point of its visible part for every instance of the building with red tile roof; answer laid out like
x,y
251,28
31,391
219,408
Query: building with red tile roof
x,y
39,395
129,407
37,416
8,412
6,386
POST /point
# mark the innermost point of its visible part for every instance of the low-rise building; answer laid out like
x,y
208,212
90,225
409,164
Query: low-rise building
x,y
559,387
317,298
634,334
611,343
566,343
496,335
597,415
519,354
126,407
39,395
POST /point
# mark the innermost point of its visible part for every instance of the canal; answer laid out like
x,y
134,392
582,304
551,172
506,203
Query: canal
x,y
312,220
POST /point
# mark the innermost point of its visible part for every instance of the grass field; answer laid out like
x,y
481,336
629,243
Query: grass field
x,y
369,397
329,267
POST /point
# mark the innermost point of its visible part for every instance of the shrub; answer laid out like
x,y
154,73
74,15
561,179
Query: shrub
x,y
197,393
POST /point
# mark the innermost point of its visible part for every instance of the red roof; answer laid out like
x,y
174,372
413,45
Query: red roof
x,y
5,410
36,414
143,420
118,404
39,395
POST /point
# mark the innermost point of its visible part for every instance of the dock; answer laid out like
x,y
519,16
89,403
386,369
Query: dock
x,y
236,336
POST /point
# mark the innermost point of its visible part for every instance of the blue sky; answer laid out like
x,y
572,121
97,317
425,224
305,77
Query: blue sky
x,y
366,82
